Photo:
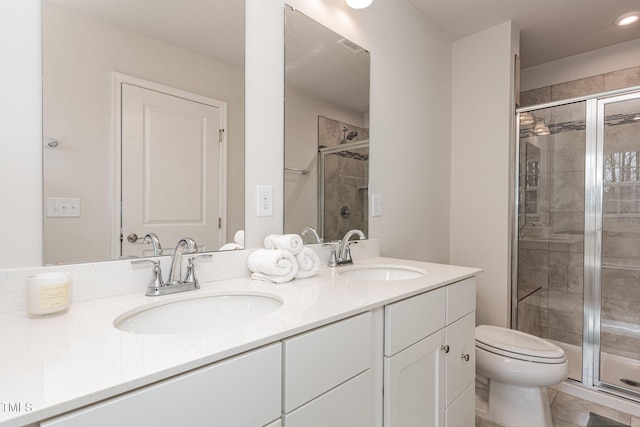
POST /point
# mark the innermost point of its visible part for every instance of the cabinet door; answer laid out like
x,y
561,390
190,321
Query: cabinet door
x,y
348,405
462,411
414,384
243,391
461,359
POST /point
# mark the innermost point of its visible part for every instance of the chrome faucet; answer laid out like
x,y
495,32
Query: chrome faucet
x,y
175,283
344,252
175,274
313,231
155,243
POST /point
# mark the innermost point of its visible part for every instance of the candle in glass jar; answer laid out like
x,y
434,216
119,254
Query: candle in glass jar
x,y
47,294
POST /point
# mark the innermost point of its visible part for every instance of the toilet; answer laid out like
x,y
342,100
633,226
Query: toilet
x,y
513,370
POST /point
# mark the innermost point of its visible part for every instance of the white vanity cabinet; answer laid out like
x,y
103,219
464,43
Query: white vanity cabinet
x,y
243,391
429,358
327,375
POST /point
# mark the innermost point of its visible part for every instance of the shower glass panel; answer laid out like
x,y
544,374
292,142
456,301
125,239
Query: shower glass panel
x,y
619,146
577,264
550,239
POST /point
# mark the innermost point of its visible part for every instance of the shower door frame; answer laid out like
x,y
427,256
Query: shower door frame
x,y
593,196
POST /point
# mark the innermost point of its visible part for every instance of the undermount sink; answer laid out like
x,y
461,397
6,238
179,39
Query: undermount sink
x,y
382,272
197,313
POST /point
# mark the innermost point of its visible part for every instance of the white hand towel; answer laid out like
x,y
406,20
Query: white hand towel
x,y
308,263
277,266
291,242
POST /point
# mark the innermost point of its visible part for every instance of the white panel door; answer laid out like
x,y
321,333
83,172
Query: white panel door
x,y
461,359
414,385
171,170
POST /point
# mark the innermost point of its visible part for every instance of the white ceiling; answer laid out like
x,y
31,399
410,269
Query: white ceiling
x,y
550,29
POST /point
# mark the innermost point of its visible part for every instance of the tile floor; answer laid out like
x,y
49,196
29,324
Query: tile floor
x,y
570,411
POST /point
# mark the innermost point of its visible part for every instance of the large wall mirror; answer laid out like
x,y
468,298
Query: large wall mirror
x,y
326,130
143,123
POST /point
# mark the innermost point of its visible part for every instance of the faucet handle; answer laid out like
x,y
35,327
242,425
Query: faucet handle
x,y
347,251
156,280
190,277
333,259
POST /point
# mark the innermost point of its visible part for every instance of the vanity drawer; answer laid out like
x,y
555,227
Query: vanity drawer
x,y
407,322
241,391
319,360
461,299
347,405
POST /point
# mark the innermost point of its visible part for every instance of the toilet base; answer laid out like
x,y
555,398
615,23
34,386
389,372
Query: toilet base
x,y
513,405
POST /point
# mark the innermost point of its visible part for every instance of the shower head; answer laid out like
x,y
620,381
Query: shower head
x,y
348,135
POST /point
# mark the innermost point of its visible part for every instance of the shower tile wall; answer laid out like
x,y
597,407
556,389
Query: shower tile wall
x,y
600,83
550,261
346,180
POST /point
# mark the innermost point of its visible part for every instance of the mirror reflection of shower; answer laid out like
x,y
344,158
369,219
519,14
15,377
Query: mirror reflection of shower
x,y
348,135
344,189
326,75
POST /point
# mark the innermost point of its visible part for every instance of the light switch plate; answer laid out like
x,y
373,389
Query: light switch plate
x,y
376,205
63,207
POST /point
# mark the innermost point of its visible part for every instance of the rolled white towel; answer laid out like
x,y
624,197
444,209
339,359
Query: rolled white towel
x,y
308,263
277,266
231,247
291,242
239,237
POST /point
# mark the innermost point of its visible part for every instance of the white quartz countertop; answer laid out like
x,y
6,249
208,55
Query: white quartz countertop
x,y
54,365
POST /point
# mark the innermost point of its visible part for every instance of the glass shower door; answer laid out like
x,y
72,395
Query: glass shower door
x,y
619,242
550,239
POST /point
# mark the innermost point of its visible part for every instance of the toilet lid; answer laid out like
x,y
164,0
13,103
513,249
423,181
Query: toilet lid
x,y
518,344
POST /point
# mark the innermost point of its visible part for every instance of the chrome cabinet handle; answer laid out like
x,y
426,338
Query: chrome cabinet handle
x,y
444,348
466,357
132,238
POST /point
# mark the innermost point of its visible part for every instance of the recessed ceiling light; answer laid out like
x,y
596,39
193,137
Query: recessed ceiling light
x,y
359,4
628,19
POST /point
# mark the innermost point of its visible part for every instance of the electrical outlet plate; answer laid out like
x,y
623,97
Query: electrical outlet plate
x,y
265,200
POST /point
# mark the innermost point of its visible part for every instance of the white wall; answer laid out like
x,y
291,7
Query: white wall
x,y
481,160
79,55
599,61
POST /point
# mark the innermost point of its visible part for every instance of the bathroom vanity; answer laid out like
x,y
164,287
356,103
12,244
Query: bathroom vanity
x,y
324,357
